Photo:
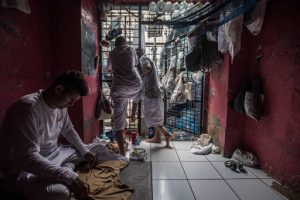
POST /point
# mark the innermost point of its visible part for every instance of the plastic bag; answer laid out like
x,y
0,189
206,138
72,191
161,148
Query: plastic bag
x,y
103,110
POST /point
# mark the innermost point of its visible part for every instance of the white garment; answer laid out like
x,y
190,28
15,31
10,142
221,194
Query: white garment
x,y
223,44
153,112
153,103
21,5
28,140
233,32
126,83
35,188
29,154
257,17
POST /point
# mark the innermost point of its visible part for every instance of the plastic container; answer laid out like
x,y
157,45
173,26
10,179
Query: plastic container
x,y
133,137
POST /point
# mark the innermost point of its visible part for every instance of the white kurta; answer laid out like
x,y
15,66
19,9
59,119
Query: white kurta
x,y
126,83
28,141
153,102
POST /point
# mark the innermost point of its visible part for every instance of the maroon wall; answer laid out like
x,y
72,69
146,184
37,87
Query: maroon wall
x,y
36,47
25,53
275,139
90,124
66,47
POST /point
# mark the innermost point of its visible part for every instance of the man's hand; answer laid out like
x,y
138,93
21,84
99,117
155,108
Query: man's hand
x,y
80,190
91,158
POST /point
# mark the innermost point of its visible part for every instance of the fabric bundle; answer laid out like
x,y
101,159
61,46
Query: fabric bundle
x,y
104,181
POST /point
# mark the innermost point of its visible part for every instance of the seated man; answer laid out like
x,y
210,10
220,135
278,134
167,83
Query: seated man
x,y
33,163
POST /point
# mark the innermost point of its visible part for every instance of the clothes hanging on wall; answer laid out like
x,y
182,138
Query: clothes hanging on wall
x,y
21,5
254,24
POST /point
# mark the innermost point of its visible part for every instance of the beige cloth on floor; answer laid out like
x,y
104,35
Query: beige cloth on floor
x,y
104,181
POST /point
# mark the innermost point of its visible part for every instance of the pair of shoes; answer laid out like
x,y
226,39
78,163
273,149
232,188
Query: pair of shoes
x,y
235,166
245,157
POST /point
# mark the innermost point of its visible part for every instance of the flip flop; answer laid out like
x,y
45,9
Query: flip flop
x,y
235,166
232,165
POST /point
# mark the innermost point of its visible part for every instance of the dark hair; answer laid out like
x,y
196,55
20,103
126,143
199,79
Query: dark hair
x,y
120,40
72,80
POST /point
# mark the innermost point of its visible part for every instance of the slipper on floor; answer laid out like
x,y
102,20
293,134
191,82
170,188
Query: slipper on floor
x,y
235,166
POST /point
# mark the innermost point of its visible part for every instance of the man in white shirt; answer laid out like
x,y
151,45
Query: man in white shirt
x,y
126,84
33,163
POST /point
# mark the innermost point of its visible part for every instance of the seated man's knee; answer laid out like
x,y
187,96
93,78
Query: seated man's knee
x,y
58,192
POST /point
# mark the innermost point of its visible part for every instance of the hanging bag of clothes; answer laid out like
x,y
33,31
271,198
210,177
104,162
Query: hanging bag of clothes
x,y
168,82
178,95
254,100
103,110
204,56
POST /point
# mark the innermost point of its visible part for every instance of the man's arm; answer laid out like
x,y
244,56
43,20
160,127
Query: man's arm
x,y
73,138
26,149
71,134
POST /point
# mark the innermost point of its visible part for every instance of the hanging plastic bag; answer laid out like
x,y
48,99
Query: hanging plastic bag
x,y
178,95
168,80
103,110
256,20
254,100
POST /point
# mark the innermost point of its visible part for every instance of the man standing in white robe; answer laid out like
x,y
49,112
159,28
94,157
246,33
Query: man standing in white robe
x,y
126,84
32,162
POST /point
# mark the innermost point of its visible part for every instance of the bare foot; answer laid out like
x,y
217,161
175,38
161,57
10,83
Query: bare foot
x,y
154,140
168,138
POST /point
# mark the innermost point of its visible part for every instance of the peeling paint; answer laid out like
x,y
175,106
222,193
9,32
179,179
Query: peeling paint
x,y
214,129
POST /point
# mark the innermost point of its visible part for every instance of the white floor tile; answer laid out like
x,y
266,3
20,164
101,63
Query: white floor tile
x,y
172,190
216,157
227,173
252,189
163,154
200,170
161,145
182,144
167,170
186,155
258,172
212,190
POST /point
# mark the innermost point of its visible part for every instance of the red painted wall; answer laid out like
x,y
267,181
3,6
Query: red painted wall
x,y
25,52
40,46
66,47
275,139
90,124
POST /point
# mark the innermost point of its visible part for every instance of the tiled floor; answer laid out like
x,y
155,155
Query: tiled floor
x,y
178,174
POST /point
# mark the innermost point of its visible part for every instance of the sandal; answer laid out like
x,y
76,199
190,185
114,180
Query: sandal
x,y
235,166
232,165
